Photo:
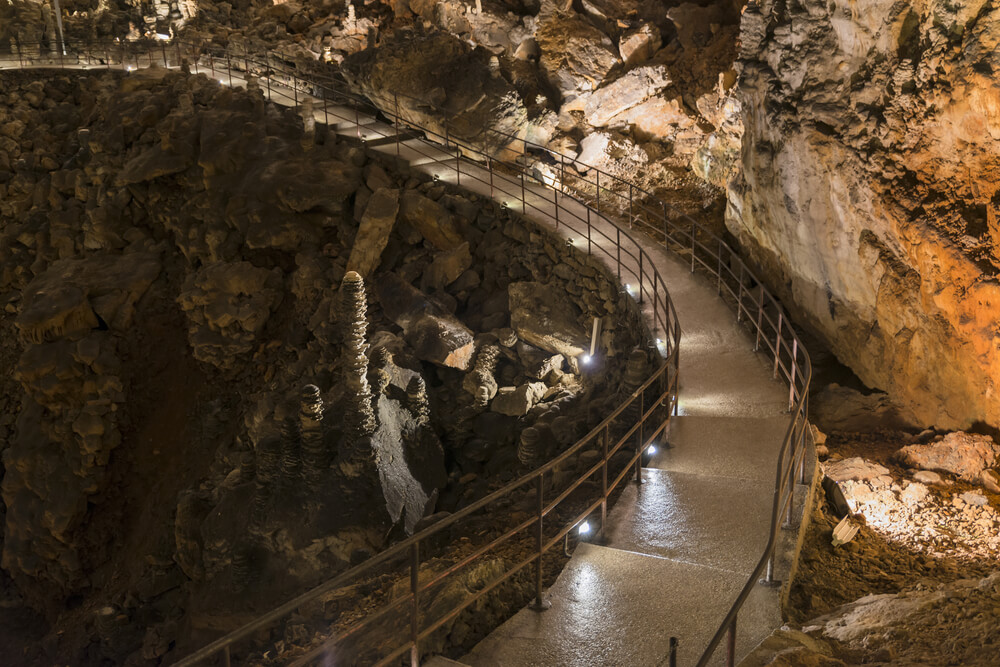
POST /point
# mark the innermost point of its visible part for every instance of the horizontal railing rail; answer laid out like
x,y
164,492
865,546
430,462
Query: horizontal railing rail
x,y
604,199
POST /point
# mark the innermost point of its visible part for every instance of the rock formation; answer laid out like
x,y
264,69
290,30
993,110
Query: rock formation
x,y
868,189
360,418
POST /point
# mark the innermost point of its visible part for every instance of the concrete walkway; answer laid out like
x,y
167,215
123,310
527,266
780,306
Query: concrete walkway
x,y
681,546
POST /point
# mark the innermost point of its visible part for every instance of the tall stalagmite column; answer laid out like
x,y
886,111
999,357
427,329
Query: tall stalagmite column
x,y
360,418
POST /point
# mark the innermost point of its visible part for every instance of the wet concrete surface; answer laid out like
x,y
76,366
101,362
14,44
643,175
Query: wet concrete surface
x,y
611,606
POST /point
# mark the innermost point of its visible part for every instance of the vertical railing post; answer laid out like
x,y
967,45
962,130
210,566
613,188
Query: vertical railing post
x,y
642,438
791,382
415,604
656,301
604,480
630,205
524,203
229,67
227,657
791,483
588,231
692,247
540,604
719,268
458,165
598,190
760,317
672,660
489,167
805,425
555,205
267,73
395,100
642,272
618,246
739,296
777,345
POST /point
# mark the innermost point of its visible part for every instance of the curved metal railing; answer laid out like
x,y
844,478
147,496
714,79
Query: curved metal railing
x,y
605,238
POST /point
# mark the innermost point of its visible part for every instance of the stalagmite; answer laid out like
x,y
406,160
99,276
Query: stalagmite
x,y
416,396
268,469
315,459
529,448
291,452
359,417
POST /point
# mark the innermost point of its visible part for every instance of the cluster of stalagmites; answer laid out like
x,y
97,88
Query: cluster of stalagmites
x,y
296,457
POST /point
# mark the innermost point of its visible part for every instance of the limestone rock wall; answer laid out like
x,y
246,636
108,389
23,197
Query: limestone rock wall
x,y
869,188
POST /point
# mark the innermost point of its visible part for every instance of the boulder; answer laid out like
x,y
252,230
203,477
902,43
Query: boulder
x,y
518,401
537,363
626,92
432,220
373,233
543,316
927,477
433,334
576,56
637,45
855,468
447,267
963,454
437,81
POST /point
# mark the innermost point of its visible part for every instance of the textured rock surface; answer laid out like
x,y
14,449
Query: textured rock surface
x,y
962,454
437,76
547,320
228,306
373,233
869,189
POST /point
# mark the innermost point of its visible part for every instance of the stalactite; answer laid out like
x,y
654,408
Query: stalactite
x,y
416,397
315,458
359,418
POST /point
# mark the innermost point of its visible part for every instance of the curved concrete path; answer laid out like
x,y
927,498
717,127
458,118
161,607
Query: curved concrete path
x,y
679,547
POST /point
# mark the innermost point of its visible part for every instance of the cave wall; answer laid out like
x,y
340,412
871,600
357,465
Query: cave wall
x,y
869,189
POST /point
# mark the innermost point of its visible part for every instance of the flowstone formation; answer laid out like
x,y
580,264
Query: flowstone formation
x,y
869,194
206,406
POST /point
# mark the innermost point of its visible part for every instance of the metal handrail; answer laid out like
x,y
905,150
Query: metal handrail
x,y
707,252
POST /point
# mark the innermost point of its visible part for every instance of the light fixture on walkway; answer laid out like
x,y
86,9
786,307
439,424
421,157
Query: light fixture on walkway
x,y
583,528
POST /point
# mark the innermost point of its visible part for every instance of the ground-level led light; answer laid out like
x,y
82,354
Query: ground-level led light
x,y
583,528
630,289
585,358
651,450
